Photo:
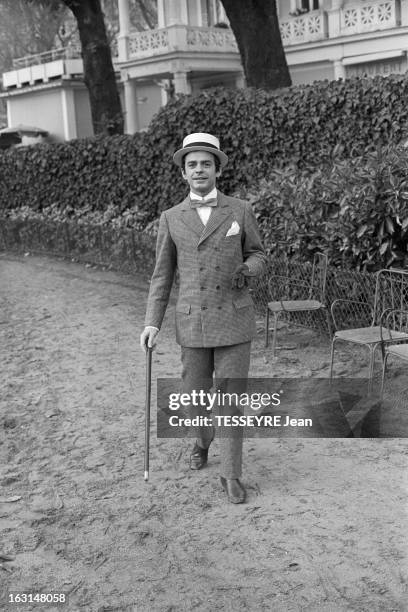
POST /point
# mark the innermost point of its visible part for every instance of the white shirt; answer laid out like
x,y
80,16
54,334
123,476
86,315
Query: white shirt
x,y
204,212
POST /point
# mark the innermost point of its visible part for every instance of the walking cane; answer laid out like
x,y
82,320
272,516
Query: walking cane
x,y
147,411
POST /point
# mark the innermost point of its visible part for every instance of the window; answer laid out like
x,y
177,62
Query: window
x,y
213,12
298,7
310,5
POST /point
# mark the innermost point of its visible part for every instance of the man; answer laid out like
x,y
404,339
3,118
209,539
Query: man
x,y
213,241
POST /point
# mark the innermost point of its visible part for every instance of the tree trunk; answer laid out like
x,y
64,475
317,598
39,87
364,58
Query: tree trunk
x,y
256,29
99,75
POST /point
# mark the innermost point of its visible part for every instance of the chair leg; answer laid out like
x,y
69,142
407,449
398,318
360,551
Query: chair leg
x,y
275,331
383,374
371,368
328,320
267,327
332,358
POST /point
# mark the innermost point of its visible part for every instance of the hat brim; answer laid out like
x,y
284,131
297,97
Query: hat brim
x,y
178,156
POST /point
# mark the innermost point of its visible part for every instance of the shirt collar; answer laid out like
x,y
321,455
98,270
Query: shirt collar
x,y
210,196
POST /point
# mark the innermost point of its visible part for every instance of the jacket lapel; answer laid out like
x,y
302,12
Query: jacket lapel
x,y
190,217
218,215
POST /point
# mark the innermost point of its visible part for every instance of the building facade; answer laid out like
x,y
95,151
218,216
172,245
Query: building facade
x,y
193,49
331,39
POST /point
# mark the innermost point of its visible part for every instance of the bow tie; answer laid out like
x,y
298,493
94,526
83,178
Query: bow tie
x,y
198,203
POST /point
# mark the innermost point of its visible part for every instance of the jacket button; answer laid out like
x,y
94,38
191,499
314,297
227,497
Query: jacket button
x,y
219,307
216,267
218,287
202,288
203,307
201,269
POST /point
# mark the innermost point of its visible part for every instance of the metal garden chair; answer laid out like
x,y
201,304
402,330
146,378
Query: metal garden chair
x,y
395,319
295,296
391,292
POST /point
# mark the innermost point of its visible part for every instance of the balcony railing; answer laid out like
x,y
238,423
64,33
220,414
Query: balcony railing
x,y
180,38
72,52
43,67
304,28
42,73
148,42
368,17
211,39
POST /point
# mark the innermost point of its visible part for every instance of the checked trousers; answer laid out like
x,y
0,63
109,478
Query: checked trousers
x,y
223,369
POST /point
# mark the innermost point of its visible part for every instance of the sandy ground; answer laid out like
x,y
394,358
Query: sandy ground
x,y
325,524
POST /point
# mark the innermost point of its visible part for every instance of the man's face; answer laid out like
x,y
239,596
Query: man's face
x,y
200,172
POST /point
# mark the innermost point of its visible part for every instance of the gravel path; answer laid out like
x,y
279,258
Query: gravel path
x,y
325,526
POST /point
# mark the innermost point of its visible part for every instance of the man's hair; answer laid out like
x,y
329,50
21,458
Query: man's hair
x,y
216,160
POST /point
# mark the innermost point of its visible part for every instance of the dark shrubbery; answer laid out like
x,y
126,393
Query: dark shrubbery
x,y
80,178
355,210
262,130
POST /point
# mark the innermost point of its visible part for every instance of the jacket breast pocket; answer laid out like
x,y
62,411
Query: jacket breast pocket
x,y
242,301
232,238
231,244
184,308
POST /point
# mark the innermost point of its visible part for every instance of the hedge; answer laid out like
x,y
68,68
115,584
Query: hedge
x,y
79,178
354,210
134,177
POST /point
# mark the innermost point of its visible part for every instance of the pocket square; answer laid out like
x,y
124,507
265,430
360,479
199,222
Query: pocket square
x,y
233,230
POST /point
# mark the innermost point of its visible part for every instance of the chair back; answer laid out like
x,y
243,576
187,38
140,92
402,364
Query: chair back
x,y
318,279
396,322
391,293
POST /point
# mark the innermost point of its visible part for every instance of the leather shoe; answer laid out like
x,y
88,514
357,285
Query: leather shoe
x,y
198,457
234,489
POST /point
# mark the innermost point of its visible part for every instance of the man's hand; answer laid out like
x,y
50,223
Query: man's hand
x,y
148,337
239,277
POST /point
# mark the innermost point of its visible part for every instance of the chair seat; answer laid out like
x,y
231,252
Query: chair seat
x,y
399,350
368,335
294,305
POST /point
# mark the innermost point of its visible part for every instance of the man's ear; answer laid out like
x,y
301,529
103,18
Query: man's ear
x,y
218,173
183,174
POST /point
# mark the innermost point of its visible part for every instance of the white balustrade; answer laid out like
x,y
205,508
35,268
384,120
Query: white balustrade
x,y
71,52
148,43
304,28
211,39
368,17
42,72
180,38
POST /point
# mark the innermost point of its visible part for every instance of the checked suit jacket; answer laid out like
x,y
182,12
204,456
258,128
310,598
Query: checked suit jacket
x,y
209,312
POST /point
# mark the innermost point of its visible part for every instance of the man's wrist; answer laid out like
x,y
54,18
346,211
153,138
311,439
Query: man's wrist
x,y
152,327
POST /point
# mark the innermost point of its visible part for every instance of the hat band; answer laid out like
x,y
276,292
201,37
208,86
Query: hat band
x,y
201,144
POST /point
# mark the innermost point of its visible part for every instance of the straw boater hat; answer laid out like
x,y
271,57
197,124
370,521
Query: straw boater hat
x,y
200,141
